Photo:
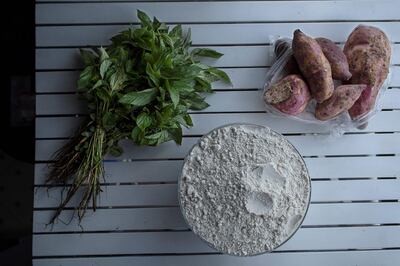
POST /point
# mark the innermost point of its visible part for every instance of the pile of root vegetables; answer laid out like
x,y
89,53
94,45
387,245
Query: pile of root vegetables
x,y
316,65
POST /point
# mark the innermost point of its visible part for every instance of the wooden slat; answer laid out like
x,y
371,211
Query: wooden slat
x,y
215,11
168,171
220,101
127,195
187,242
390,98
56,81
171,218
202,34
311,145
348,258
64,127
166,194
234,56
130,172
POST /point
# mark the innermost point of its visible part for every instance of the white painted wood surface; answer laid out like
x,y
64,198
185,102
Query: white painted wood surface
x,y
354,217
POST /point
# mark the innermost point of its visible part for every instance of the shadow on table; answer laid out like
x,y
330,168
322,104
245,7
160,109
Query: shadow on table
x,y
17,105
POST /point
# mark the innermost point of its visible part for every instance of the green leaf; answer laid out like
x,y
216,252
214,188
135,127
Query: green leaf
x,y
176,31
88,57
203,85
176,134
184,120
188,120
109,120
206,52
152,74
163,28
102,94
143,121
168,40
104,67
187,40
174,94
98,84
136,135
158,26
144,19
117,79
209,77
162,94
103,54
166,114
219,73
198,105
179,72
183,85
86,77
196,102
202,66
158,138
139,98
156,23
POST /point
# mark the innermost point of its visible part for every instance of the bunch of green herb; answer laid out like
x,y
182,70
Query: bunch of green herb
x,y
141,88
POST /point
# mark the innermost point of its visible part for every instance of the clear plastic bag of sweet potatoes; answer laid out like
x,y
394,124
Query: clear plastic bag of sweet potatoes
x,y
284,64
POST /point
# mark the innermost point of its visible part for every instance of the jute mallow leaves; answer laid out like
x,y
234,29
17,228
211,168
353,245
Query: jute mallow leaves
x,y
141,88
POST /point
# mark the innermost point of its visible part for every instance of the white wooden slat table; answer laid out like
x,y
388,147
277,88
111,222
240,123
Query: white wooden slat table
x,y
354,217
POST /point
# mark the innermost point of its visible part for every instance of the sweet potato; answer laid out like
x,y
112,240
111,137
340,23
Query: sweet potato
x,y
342,99
313,65
281,46
336,58
290,95
368,52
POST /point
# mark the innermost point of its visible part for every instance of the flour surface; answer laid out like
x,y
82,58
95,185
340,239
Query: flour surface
x,y
244,189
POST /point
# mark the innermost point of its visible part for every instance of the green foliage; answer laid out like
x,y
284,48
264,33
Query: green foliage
x,y
141,87
148,73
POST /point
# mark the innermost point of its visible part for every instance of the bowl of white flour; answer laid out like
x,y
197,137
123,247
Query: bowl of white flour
x,y
244,189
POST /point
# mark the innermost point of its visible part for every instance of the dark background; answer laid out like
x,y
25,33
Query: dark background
x,y
17,131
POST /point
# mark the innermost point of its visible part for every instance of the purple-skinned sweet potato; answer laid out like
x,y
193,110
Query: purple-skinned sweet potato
x,y
336,58
290,95
342,99
368,52
281,46
313,65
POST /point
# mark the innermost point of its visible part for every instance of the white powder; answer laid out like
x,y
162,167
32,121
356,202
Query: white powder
x,y
244,189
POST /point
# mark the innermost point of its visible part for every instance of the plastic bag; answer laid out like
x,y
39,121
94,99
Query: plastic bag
x,y
337,125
